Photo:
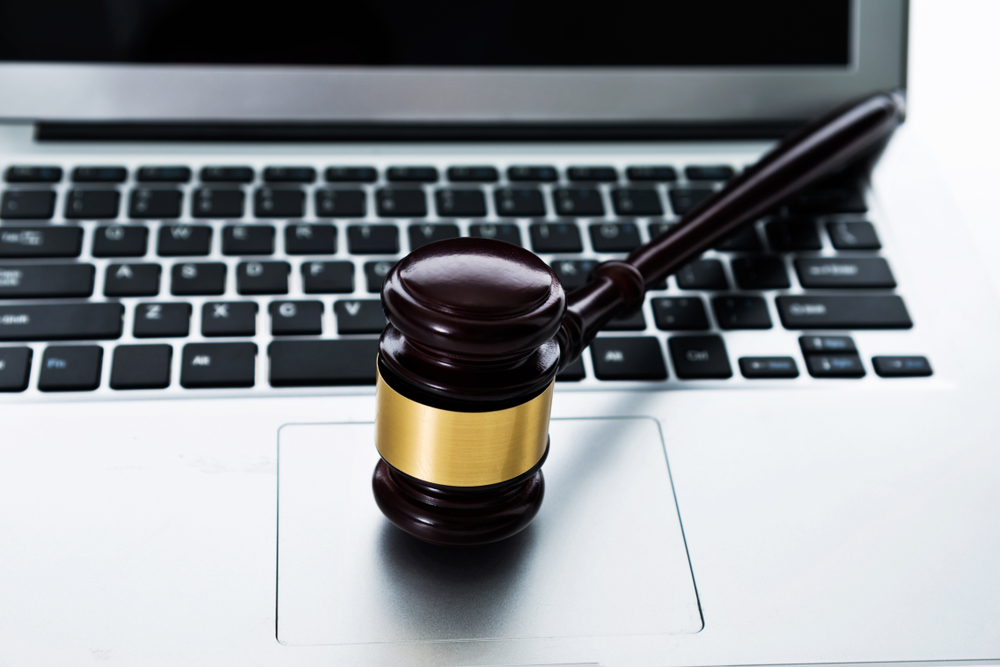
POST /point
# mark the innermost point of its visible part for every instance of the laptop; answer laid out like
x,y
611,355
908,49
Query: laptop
x,y
788,456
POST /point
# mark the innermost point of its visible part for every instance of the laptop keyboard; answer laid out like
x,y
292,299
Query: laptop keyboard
x,y
229,276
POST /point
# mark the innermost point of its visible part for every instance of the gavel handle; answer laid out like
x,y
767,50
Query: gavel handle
x,y
808,154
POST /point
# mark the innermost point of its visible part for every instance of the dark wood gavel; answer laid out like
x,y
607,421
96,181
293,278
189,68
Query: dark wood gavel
x,y
478,330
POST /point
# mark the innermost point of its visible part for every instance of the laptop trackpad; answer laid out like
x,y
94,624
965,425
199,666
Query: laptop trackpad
x,y
605,556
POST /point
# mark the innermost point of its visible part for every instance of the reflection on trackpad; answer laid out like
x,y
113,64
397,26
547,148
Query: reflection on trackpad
x,y
604,557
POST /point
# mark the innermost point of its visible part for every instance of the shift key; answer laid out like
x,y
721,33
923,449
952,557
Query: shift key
x,y
843,312
61,321
25,281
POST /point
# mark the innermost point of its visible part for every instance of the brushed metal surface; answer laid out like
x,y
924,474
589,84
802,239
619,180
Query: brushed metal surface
x,y
52,91
605,556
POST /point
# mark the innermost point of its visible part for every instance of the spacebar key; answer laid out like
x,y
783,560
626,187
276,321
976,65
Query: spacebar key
x,y
843,312
314,363
61,321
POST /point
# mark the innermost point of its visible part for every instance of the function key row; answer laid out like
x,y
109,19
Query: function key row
x,y
352,174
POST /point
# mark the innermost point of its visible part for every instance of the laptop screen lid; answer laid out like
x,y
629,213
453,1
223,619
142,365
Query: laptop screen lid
x,y
696,63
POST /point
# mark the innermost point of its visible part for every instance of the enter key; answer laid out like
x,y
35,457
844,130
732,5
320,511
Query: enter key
x,y
841,272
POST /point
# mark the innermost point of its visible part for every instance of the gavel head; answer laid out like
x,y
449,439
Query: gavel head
x,y
465,377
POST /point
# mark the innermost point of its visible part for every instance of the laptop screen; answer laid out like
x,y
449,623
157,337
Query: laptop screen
x,y
504,33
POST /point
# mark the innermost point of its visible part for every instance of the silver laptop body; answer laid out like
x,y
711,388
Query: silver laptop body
x,y
730,482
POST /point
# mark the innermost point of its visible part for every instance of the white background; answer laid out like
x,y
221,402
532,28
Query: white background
x,y
954,110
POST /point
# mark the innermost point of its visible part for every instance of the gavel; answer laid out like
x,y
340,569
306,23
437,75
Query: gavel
x,y
479,328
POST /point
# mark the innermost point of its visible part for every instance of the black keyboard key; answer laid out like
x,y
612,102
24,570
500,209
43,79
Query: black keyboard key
x,y
27,204
453,203
573,273
683,200
661,174
375,273
657,228
29,174
745,239
233,318
887,367
473,174
328,277
555,237
304,239
372,239
227,174
760,368
198,278
351,174
573,373
400,203
15,367
262,277
141,367
534,174
835,366
793,235
423,234
826,344
578,201
61,241
362,316
634,321
322,363
100,175
593,174
296,318
741,312
760,273
247,240
703,274
684,314
162,320
28,281
708,172
412,174
279,203
621,358
217,203
163,174
71,368
844,272
179,240
340,203
519,202
853,236
614,237
826,200
699,357
132,280
289,174
843,312
92,204
636,201
154,203
501,231
61,321
206,365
